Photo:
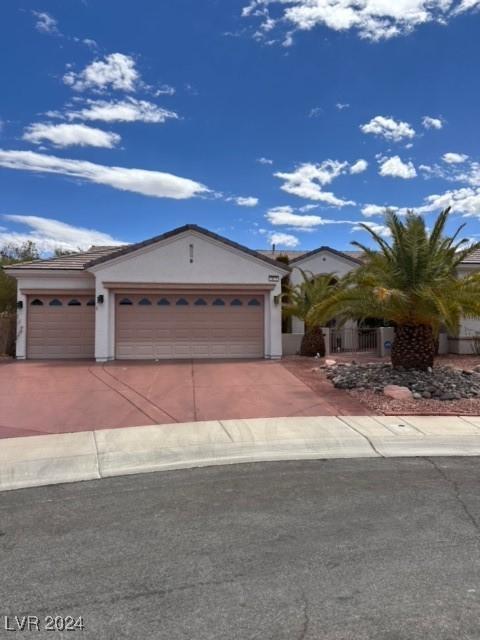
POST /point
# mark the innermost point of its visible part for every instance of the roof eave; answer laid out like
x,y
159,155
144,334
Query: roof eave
x,y
329,250
183,229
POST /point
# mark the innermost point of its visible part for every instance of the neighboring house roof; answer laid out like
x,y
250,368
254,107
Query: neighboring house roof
x,y
352,256
473,258
98,255
278,253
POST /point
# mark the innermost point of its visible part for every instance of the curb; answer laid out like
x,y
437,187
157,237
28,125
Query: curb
x,y
54,459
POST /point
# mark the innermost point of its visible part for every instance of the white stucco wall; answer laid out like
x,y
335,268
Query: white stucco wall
x,y
29,281
318,264
169,262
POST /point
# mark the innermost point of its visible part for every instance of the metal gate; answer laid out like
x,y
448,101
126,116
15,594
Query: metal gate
x,y
353,340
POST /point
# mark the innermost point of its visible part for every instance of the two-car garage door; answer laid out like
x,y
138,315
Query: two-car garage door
x,y
177,325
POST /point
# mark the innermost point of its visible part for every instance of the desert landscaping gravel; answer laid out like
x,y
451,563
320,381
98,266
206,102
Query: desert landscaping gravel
x,y
452,369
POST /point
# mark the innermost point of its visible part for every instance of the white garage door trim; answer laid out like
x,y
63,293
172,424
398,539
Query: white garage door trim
x,y
180,325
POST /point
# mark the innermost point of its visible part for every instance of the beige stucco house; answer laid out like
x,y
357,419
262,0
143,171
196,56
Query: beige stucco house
x,y
187,293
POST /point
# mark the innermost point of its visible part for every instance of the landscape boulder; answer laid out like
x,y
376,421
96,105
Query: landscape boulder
x,y
397,393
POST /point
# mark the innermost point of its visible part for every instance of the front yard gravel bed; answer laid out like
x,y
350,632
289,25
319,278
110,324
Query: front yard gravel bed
x,y
441,383
380,404
312,371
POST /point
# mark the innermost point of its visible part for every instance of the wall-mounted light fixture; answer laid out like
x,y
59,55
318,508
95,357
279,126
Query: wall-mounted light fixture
x,y
19,304
100,298
276,300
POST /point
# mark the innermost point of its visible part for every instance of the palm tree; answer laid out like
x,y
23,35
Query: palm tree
x,y
299,301
412,282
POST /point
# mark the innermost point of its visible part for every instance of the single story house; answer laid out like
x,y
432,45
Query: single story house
x,y
188,293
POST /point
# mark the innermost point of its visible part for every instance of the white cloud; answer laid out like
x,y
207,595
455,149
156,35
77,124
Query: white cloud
x,y
263,160
90,43
49,234
394,167
372,19
455,169
284,240
381,229
308,179
66,135
342,105
149,183
286,216
315,112
46,23
116,71
248,201
359,166
454,158
432,123
465,201
164,90
369,210
388,128
126,110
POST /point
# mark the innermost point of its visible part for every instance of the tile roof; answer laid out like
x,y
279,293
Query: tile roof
x,y
188,227
75,261
99,254
354,256
291,255
473,258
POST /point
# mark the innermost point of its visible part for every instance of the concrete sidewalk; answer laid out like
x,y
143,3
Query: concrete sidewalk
x,y
87,455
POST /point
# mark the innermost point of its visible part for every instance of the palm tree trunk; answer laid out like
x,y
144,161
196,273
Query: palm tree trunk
x,y
413,347
313,342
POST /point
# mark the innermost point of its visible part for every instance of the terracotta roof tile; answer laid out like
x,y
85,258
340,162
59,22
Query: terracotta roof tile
x,y
75,261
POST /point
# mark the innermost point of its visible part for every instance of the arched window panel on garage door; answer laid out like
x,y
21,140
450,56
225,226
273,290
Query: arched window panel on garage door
x,y
125,302
254,302
55,303
218,302
182,302
74,303
36,302
200,302
236,302
144,302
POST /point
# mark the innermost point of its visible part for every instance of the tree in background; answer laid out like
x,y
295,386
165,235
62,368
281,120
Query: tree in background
x,y
11,254
301,300
286,319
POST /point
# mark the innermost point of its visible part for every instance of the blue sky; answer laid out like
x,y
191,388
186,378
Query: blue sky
x,y
285,121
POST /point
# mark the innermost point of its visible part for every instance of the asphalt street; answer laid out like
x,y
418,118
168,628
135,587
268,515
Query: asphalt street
x,y
332,550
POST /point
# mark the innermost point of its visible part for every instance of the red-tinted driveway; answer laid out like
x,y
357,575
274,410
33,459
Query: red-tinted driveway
x,y
58,397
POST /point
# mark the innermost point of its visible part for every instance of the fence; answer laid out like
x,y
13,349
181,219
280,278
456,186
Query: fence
x,y
7,334
353,340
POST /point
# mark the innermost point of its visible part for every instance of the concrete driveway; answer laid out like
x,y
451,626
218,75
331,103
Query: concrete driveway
x,y
57,397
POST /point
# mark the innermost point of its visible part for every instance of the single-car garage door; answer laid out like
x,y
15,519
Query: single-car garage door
x,y
177,325
60,326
